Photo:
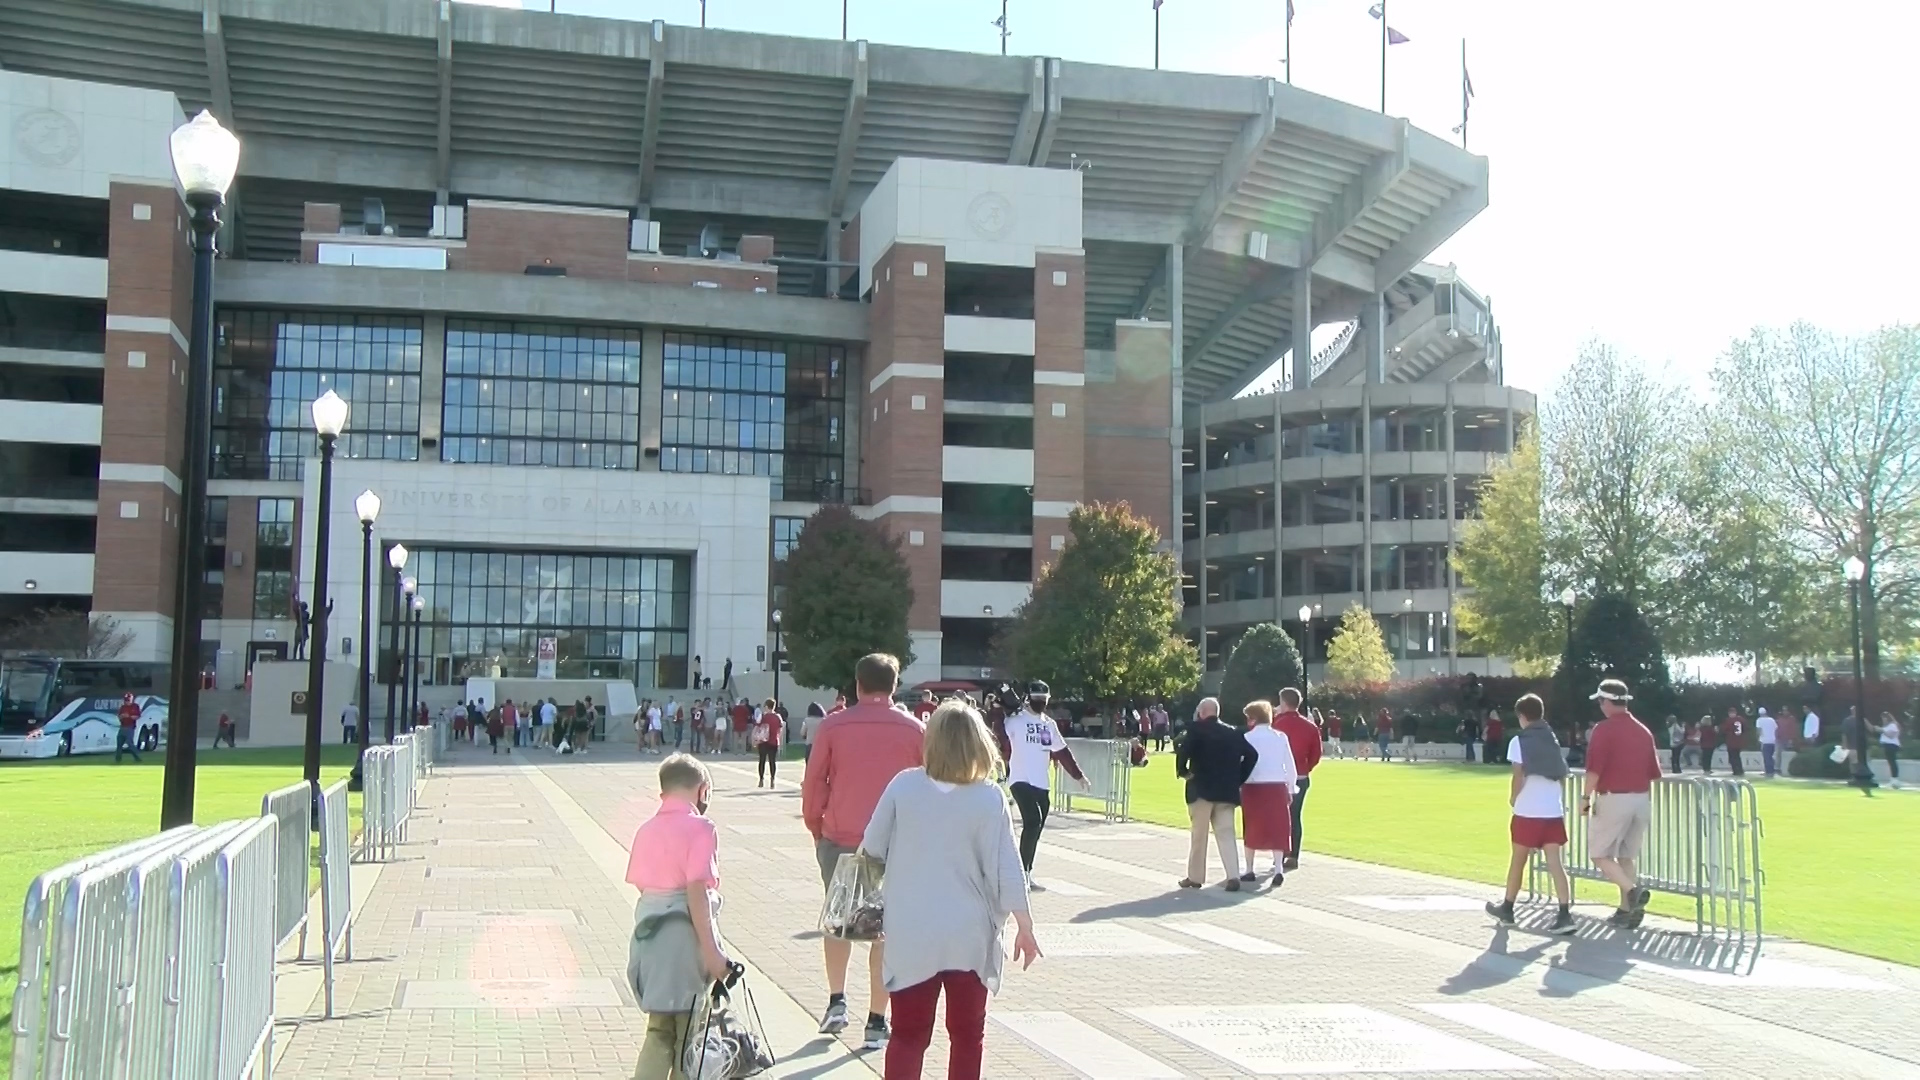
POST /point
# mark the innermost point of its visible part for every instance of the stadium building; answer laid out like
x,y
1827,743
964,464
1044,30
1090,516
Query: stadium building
x,y
618,305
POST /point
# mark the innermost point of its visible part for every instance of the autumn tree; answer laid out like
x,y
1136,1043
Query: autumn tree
x,y
1357,657
67,633
1102,623
1501,558
848,592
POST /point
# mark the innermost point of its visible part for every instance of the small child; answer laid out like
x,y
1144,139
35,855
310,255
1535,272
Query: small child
x,y
1539,813
675,955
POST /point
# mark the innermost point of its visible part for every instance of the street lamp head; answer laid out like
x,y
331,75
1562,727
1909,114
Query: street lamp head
x,y
330,414
367,505
419,604
1407,603
986,610
1855,570
409,585
205,156
1306,613
1568,596
776,616
397,556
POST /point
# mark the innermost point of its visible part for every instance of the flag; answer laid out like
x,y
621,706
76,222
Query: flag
x,y
1289,12
1379,11
1466,92
1157,3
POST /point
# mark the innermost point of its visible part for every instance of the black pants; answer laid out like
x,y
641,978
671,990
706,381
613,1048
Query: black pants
x,y
1893,759
1034,806
1678,749
349,734
1299,801
769,762
1733,761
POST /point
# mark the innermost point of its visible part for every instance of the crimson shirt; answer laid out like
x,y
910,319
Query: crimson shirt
x,y
742,717
1621,756
1733,732
1302,737
129,714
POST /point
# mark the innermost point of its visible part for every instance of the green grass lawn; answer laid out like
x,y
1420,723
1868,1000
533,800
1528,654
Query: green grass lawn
x,y
55,811
1837,872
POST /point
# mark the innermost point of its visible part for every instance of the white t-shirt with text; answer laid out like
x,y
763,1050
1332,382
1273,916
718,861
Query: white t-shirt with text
x,y
1034,737
1539,796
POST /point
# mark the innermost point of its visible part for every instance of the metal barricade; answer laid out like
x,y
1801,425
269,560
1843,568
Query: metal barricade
x,y
336,889
1107,765
388,797
1703,842
292,807
245,874
145,1010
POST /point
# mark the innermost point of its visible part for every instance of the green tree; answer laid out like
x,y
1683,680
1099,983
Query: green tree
x,y
847,594
1357,658
1829,428
1262,662
1502,559
1103,622
1611,640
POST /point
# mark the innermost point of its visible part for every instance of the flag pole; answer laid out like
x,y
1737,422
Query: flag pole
x,y
1156,37
1464,109
1383,57
1288,61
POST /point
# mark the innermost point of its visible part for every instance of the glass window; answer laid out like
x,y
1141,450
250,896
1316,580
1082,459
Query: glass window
x,y
273,560
534,394
621,616
1320,439
754,407
213,593
268,366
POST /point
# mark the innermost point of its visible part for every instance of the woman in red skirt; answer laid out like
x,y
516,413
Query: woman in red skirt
x,y
1266,799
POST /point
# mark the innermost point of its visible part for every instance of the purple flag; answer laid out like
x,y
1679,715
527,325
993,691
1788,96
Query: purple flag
x,y
1395,37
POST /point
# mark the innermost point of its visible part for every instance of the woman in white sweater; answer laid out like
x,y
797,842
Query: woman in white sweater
x,y
953,876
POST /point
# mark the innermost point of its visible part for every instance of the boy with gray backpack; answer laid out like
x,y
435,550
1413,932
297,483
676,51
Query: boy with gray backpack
x,y
1539,813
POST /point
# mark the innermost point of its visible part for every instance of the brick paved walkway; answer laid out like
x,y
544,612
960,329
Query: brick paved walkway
x,y
496,948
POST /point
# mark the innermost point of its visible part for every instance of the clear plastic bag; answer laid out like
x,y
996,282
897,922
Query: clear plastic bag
x,y
725,1039
853,911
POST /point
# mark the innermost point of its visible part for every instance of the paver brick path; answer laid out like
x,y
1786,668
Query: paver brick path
x,y
495,946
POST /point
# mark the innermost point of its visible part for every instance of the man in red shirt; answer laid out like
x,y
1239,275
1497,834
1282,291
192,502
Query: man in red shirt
x,y
1733,736
1622,764
742,720
1304,738
923,708
856,753
123,743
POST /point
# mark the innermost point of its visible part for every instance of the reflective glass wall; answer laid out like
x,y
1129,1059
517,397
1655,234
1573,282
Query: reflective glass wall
x,y
536,394
756,407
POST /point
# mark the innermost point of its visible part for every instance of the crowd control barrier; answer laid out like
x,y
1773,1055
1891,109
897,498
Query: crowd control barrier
x,y
388,779
1703,843
1107,765
292,807
153,959
336,889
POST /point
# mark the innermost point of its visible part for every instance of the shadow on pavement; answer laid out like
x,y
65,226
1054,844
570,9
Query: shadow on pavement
x,y
1177,902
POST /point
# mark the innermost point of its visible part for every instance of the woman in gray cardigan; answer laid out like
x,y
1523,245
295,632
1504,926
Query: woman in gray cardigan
x,y
953,876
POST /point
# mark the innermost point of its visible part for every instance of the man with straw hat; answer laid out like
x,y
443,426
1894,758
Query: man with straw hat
x,y
1622,764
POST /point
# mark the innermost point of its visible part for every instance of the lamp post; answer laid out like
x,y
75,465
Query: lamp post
x,y
403,616
413,654
1855,572
396,558
367,508
776,656
329,420
1567,597
205,157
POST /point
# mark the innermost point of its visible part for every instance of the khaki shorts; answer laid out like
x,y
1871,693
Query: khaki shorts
x,y
828,853
1618,827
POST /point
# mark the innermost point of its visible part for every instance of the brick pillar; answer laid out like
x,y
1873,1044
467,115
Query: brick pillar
x,y
149,296
901,444
1128,414
1059,397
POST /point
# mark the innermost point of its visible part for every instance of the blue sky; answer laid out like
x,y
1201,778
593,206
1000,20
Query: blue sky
x,y
1667,174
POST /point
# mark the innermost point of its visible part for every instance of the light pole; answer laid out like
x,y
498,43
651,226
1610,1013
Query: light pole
x,y
367,507
1855,572
403,616
776,656
205,157
1306,643
329,420
396,558
1567,597
413,663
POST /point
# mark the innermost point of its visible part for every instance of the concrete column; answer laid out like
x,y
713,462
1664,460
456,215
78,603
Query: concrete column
x,y
1373,330
1366,493
1176,314
1200,426
1301,375
653,351
433,382
1277,609
1453,638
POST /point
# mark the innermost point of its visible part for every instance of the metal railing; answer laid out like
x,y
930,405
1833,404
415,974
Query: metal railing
x,y
292,807
1703,842
336,884
1107,765
246,873
389,775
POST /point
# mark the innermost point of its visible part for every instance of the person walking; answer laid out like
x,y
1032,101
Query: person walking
x,y
522,726
1858,741
1033,744
1470,734
496,727
1733,735
953,877
856,755
766,743
1677,741
1709,741
742,722
1266,799
1890,747
349,723
1769,729
810,727
1304,742
510,722
549,716
1810,728
1538,821
1383,734
1214,760
223,729
1496,733
1622,764
123,741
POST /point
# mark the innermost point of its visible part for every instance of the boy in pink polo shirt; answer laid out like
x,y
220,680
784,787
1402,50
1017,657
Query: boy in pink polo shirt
x,y
674,955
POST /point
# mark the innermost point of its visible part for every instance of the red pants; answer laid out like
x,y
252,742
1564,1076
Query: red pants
x,y
913,1026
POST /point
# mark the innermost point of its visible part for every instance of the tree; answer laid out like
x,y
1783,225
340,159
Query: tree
x,y
68,633
1262,662
848,592
1357,658
1103,621
1502,558
1830,428
1611,640
1615,447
